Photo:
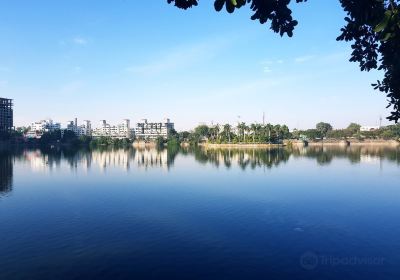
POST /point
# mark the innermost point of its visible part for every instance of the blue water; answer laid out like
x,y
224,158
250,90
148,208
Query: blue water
x,y
308,213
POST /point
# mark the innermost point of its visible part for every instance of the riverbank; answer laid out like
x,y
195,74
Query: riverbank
x,y
240,145
355,142
288,143
143,144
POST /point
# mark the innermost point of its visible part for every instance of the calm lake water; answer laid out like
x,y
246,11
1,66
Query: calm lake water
x,y
308,213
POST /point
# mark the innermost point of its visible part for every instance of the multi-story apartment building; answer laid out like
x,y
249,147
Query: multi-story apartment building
x,y
119,131
6,114
38,128
151,130
369,128
80,130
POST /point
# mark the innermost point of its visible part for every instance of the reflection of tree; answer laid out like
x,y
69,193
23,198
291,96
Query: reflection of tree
x,y
6,172
103,158
269,158
355,154
244,158
172,152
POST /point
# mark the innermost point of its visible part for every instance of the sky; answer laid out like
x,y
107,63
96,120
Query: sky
x,y
122,59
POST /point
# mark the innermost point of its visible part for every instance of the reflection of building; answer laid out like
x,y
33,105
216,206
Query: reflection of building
x,y
367,158
152,158
147,130
113,158
119,131
6,114
127,158
6,173
41,162
102,159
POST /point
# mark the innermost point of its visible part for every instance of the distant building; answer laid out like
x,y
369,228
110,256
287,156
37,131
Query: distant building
x,y
369,128
82,130
6,114
38,128
149,130
120,131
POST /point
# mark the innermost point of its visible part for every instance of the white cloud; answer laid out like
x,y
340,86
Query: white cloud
x,y
305,58
268,63
267,69
80,41
336,57
71,87
77,69
179,58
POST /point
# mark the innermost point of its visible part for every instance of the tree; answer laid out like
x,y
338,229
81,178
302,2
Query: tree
x,y
68,136
217,130
253,128
310,134
227,131
202,130
159,142
373,27
241,130
50,137
323,128
354,128
184,136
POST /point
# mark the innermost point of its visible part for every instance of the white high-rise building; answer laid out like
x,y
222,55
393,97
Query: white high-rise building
x,y
119,131
149,130
38,128
82,130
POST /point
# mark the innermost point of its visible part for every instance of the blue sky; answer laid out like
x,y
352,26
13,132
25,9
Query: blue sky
x,y
146,59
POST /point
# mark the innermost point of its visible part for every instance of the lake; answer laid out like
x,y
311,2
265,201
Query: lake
x,y
302,213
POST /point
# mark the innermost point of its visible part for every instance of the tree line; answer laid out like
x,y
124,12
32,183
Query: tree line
x,y
256,133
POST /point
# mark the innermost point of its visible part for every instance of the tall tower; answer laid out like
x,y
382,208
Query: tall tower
x,y
127,128
6,114
88,127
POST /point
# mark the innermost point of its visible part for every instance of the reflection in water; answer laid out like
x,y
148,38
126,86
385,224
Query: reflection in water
x,y
6,173
244,158
136,218
269,158
47,160
355,154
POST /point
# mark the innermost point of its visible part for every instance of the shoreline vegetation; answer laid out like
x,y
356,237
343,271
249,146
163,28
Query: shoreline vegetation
x,y
327,142
272,136
216,136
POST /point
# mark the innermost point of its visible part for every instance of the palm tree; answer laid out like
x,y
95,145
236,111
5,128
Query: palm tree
x,y
247,131
227,131
253,128
258,130
216,130
241,128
